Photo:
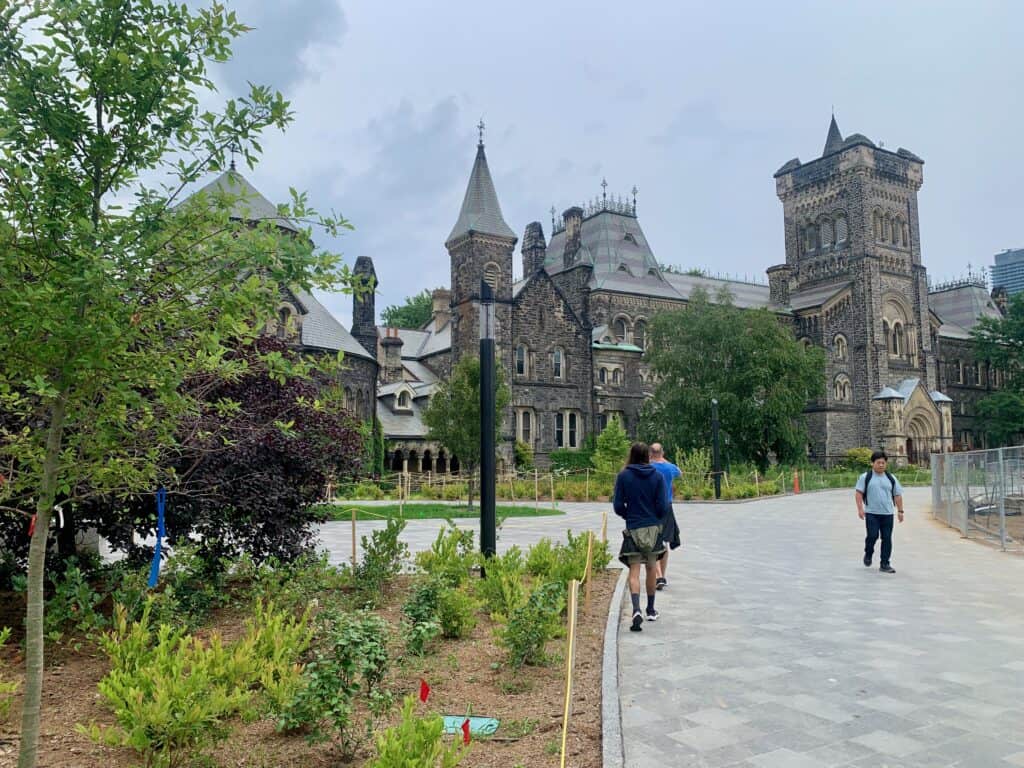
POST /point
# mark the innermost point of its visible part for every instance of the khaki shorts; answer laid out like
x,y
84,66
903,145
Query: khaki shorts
x,y
641,545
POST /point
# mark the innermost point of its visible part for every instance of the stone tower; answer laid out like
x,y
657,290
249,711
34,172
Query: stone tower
x,y
364,320
481,247
854,280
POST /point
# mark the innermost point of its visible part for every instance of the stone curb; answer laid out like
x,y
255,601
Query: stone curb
x,y
611,714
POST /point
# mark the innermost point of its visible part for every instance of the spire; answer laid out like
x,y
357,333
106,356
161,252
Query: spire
x,y
480,212
834,142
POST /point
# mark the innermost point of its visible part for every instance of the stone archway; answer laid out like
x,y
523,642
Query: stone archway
x,y
397,461
922,431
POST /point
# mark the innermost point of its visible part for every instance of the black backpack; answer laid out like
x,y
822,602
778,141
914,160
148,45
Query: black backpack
x,y
892,483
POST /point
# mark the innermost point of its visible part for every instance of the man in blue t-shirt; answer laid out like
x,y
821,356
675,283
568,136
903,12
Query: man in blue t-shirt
x,y
670,527
876,508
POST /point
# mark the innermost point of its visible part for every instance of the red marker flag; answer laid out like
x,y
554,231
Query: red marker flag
x,y
465,731
32,526
424,690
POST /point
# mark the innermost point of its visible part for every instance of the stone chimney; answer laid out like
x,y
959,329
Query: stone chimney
x,y
573,218
779,278
441,308
534,249
364,327
391,368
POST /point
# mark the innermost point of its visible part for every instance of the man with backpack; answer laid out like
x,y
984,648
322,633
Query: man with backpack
x,y
879,498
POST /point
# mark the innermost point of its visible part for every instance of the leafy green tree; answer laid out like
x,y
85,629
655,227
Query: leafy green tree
x,y
612,448
762,377
113,289
1000,341
453,416
414,313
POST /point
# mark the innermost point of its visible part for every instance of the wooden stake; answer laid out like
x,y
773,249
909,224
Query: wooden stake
x,y
604,526
552,489
536,491
588,483
353,538
569,663
587,575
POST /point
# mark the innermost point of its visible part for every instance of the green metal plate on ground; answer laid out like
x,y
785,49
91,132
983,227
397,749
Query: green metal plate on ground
x,y
478,726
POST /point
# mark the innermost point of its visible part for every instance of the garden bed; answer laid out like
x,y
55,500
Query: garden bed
x,y
467,676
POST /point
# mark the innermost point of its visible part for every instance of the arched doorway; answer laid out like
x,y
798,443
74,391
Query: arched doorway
x,y
397,461
442,463
455,464
911,454
427,462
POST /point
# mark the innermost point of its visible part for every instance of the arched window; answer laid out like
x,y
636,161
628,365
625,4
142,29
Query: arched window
x,y
491,273
557,363
602,375
404,401
897,233
826,233
521,360
877,225
349,403
283,318
906,235
888,230
898,347
839,347
640,334
841,230
841,390
619,329
617,376
810,238
805,342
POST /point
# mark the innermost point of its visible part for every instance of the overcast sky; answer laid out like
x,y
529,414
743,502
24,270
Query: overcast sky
x,y
697,104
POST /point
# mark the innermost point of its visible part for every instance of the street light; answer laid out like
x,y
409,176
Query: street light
x,y
716,464
488,523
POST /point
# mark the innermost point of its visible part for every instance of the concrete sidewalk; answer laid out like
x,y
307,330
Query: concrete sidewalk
x,y
777,648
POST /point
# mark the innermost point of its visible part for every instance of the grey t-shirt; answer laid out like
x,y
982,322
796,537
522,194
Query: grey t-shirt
x,y
880,493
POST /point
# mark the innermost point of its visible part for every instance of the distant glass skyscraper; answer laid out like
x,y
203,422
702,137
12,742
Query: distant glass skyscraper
x,y
1008,272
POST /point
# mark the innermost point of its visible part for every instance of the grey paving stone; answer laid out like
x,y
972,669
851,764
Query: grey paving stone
x,y
888,743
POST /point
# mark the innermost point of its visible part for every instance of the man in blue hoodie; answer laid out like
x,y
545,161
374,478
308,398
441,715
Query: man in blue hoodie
x,y
640,499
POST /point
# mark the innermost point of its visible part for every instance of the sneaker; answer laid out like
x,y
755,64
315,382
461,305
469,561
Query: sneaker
x,y
652,615
638,622
661,584
887,569
867,561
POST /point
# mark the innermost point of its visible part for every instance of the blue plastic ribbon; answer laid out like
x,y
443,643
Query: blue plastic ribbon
x,y
154,570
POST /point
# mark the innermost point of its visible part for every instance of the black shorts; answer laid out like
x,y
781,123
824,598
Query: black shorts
x,y
670,530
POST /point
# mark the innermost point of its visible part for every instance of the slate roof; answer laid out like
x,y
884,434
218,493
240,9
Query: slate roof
x,y
419,344
744,295
403,424
249,204
960,307
480,209
816,296
888,394
321,330
834,140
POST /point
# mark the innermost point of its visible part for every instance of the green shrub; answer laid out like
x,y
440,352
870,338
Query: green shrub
x,y
354,660
72,608
456,613
532,624
563,562
502,589
383,554
612,448
523,456
857,459
450,556
7,687
695,465
171,694
291,585
421,613
570,460
541,558
416,742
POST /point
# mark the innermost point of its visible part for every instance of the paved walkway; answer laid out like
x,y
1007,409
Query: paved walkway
x,y
777,648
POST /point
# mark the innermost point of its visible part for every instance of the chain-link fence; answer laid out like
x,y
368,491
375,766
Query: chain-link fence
x,y
981,494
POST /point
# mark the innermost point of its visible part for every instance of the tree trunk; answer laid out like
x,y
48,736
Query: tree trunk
x,y
36,570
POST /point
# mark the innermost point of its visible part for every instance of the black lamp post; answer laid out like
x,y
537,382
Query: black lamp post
x,y
488,535
716,463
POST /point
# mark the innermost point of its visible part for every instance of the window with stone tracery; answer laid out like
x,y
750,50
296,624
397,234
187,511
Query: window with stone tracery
x,y
839,347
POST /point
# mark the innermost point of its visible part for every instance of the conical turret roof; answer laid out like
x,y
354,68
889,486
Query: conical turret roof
x,y
834,142
248,203
480,212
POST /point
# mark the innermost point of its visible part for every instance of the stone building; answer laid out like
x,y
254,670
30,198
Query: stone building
x,y
572,330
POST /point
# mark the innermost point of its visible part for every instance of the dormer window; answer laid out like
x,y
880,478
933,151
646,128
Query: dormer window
x,y
629,238
405,400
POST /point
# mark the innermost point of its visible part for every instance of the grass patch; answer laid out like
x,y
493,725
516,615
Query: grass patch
x,y
418,511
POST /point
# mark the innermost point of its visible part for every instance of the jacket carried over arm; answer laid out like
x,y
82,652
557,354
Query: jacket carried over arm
x,y
640,497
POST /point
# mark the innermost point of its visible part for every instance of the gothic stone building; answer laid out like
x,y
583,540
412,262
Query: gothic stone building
x,y
571,331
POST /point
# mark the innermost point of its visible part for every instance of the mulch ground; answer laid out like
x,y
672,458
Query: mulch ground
x,y
465,675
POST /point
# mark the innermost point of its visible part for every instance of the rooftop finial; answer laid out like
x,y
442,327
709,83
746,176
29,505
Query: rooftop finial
x,y
634,191
553,209
234,148
604,188
480,127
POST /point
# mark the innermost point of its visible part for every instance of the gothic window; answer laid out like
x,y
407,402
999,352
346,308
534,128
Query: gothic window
x,y
573,419
557,362
888,337
810,238
877,225
898,347
491,273
521,358
617,376
404,401
640,334
841,232
839,347
560,430
602,375
906,236
524,425
826,233
897,232
841,390
348,397
283,318
619,329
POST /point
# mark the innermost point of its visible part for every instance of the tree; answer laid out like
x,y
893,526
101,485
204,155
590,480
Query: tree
x,y
413,314
113,290
245,478
612,448
1000,341
453,416
762,377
